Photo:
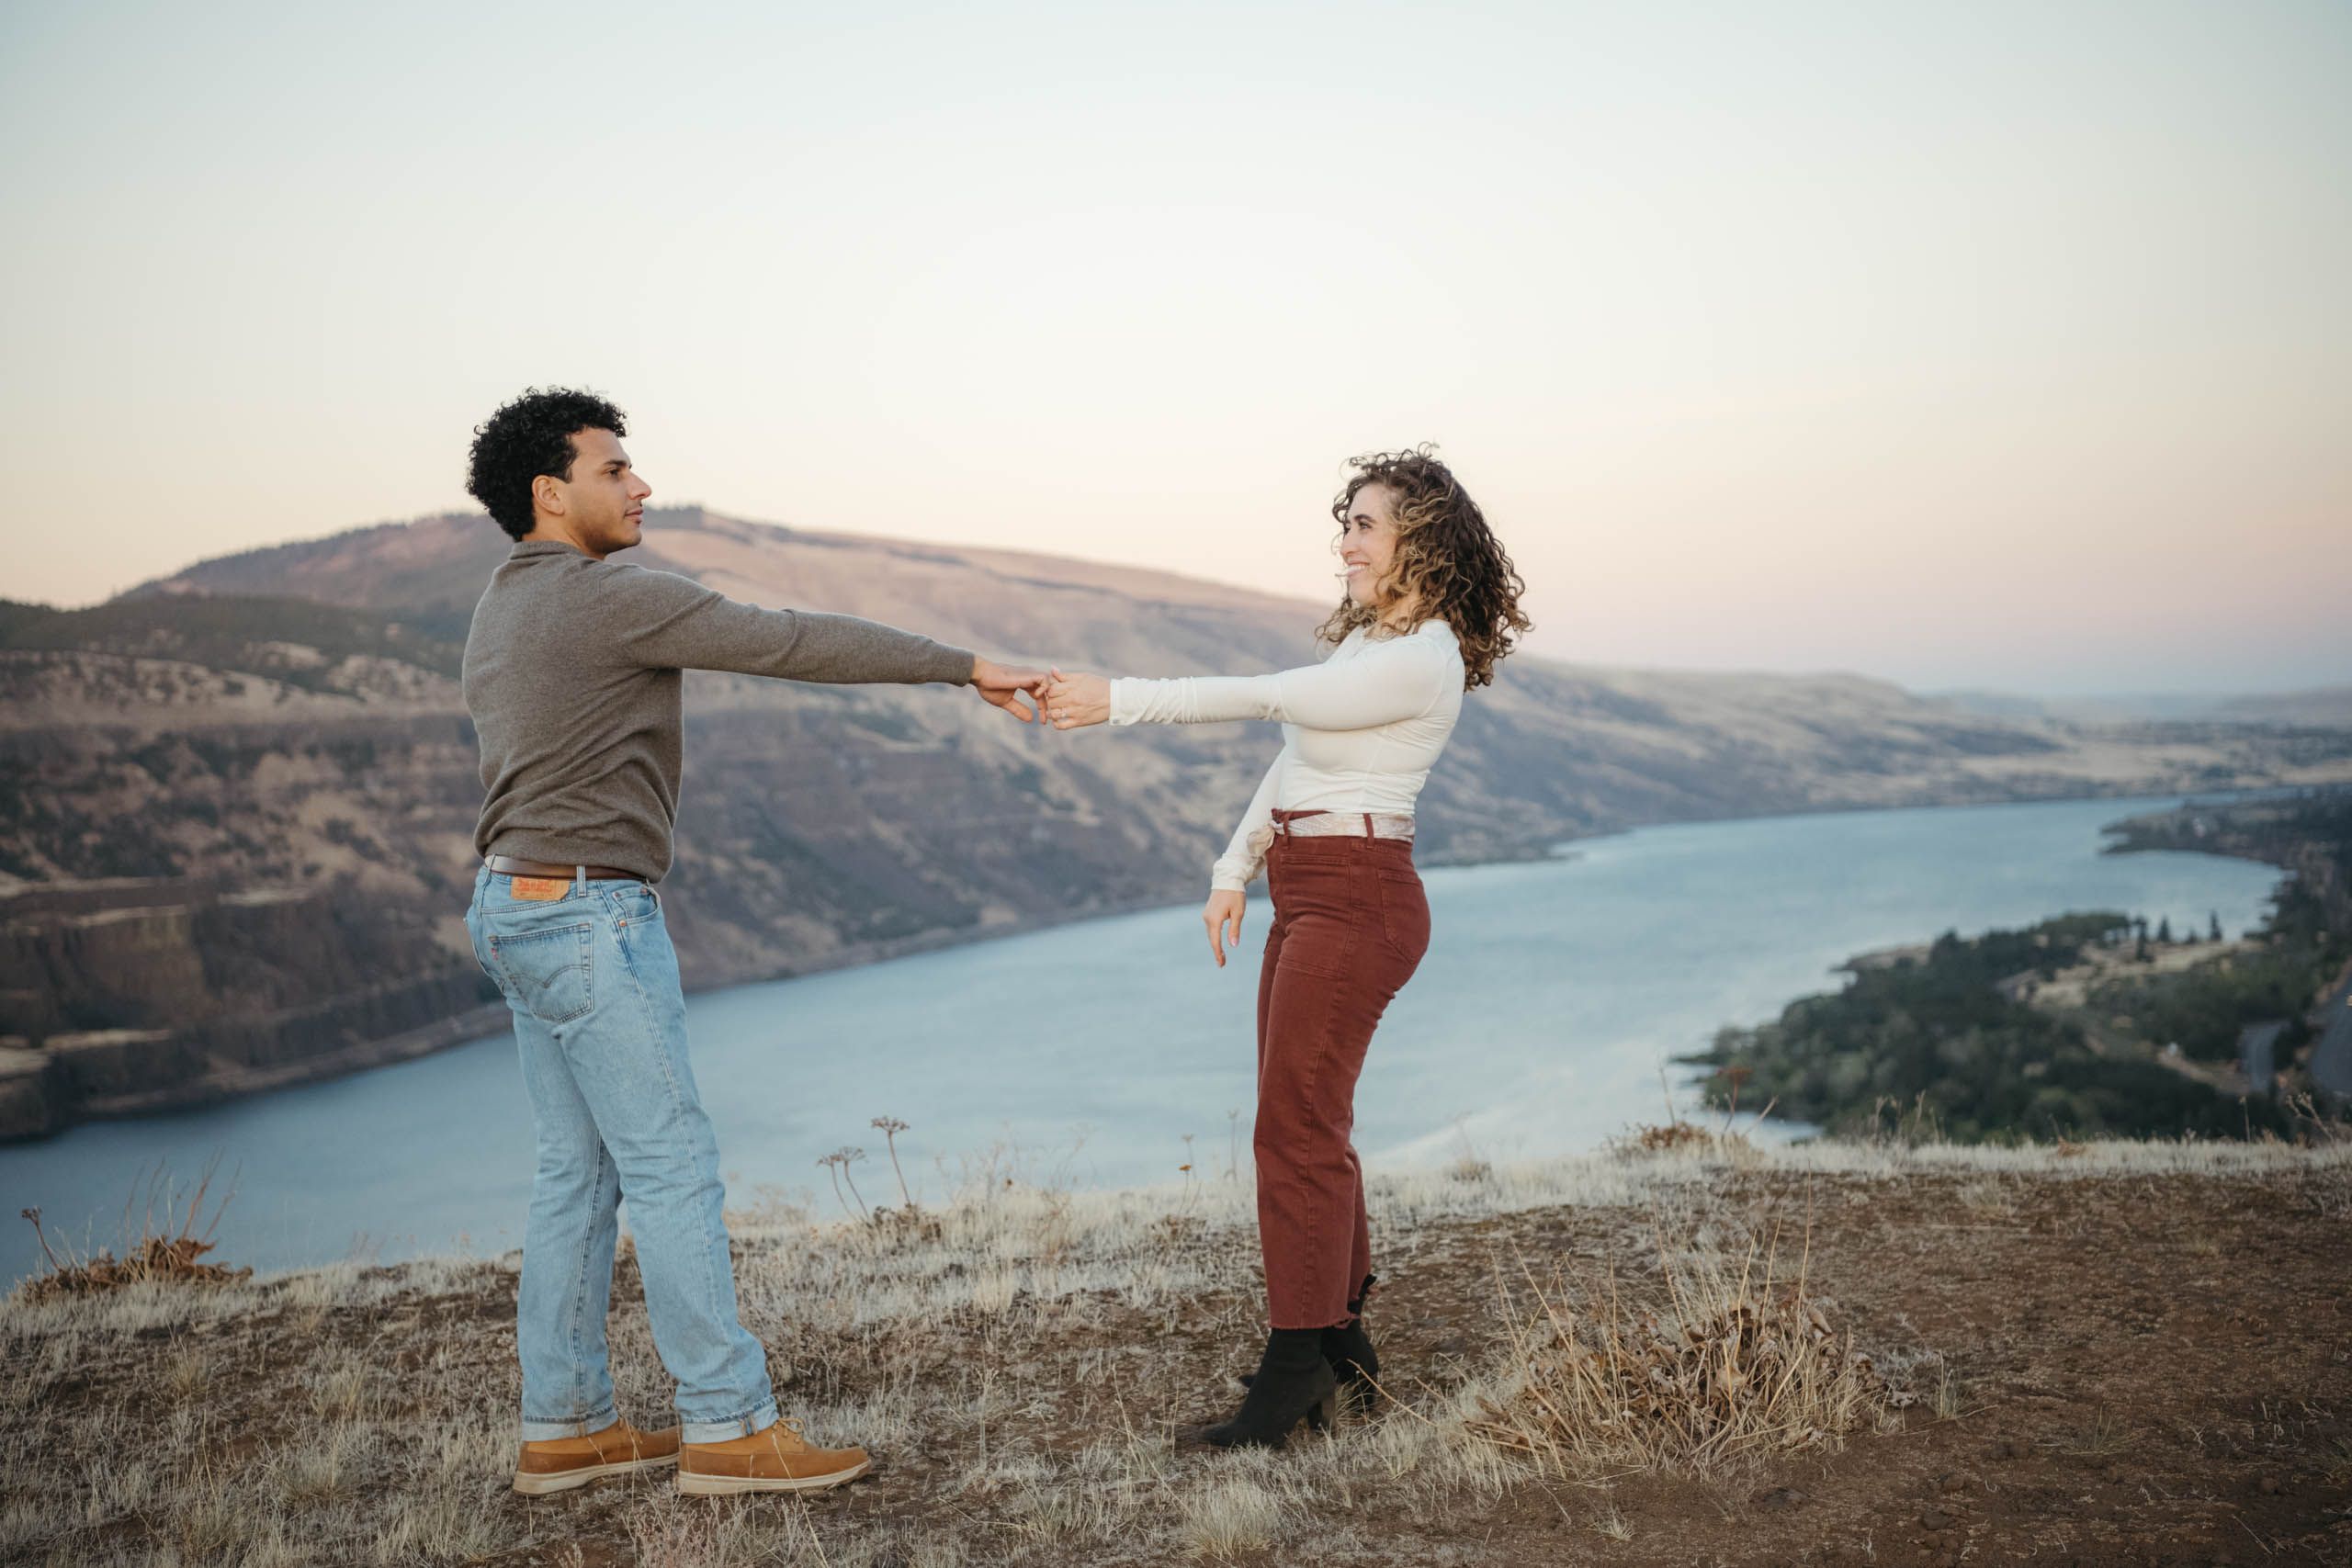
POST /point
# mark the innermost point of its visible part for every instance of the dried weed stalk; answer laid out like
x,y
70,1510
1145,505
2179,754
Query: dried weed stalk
x,y
167,1253
1719,1362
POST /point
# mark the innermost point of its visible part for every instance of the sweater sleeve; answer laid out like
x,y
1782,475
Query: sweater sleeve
x,y
1386,683
1245,855
659,620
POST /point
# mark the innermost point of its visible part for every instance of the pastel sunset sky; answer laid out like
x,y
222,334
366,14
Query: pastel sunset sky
x,y
1987,344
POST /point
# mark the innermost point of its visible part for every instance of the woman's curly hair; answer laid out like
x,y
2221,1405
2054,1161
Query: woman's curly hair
x,y
1447,560
527,437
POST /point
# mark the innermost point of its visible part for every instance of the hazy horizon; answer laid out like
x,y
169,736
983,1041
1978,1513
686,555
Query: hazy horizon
x,y
2001,348
654,527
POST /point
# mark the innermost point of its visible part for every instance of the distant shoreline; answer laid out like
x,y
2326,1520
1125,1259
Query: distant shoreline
x,y
2019,1033
28,1109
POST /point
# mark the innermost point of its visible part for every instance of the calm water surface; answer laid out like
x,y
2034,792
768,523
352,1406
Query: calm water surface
x,y
1540,1022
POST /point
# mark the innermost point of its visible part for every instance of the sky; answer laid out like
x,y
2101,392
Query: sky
x,y
1994,344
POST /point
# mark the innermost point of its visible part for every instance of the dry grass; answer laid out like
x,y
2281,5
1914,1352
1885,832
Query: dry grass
x,y
1687,1138
1719,1362
723,1536
1018,1357
168,1250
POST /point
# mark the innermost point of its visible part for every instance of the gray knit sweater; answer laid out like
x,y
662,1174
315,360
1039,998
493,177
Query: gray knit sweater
x,y
572,676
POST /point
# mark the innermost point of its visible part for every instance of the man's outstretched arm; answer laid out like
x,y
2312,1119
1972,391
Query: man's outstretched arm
x,y
659,620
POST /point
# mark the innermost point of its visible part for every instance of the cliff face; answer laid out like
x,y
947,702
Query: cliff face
x,y
237,806
141,994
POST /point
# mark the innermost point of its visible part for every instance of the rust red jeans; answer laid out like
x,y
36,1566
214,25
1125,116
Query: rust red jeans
x,y
1351,924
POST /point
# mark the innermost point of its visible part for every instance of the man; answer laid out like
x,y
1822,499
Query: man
x,y
572,674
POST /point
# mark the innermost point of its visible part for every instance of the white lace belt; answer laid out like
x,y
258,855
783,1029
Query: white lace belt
x,y
1349,825
1329,825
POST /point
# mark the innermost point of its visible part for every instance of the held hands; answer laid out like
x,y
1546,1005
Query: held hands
x,y
1222,917
1068,702
1002,687
1073,702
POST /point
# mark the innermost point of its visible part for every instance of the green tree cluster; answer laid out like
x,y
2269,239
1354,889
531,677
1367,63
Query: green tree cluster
x,y
2204,1008
1939,1036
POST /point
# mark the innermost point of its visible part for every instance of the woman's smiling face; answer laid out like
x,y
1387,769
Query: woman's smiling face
x,y
1368,542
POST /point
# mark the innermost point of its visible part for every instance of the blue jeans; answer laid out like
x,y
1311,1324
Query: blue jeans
x,y
593,982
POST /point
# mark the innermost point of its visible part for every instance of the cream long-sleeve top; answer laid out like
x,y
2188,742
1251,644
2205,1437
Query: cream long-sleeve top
x,y
1360,730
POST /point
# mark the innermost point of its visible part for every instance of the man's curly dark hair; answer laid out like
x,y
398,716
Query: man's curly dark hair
x,y
527,437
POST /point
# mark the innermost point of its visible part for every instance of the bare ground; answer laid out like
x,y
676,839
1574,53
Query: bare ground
x,y
2120,1354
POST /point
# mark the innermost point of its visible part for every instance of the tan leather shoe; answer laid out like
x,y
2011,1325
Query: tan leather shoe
x,y
774,1458
560,1464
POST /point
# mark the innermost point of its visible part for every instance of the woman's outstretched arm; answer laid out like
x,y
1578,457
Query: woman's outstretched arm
x,y
1387,681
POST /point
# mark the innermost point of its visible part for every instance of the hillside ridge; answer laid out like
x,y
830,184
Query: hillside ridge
x,y
287,720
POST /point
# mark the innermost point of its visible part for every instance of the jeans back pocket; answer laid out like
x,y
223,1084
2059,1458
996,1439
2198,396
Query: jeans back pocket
x,y
548,972
1404,915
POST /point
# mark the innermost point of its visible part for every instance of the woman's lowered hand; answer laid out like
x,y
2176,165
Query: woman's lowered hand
x,y
1222,917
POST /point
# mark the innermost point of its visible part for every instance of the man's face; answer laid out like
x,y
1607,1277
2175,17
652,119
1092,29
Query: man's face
x,y
602,506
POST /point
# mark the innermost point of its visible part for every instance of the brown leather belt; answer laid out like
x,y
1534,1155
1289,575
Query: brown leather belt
x,y
507,865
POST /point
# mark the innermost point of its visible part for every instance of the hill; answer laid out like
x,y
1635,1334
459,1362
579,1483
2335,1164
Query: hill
x,y
2319,706
1588,749
274,740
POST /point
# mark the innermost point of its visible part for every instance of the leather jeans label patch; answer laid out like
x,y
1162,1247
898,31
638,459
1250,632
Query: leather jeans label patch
x,y
541,890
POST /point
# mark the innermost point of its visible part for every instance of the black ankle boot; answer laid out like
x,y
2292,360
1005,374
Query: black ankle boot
x,y
1293,1383
1348,1350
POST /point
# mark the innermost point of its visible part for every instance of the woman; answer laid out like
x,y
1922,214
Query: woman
x,y
1432,606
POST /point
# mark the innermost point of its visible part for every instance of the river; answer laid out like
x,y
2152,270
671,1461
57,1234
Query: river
x,y
1113,1051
